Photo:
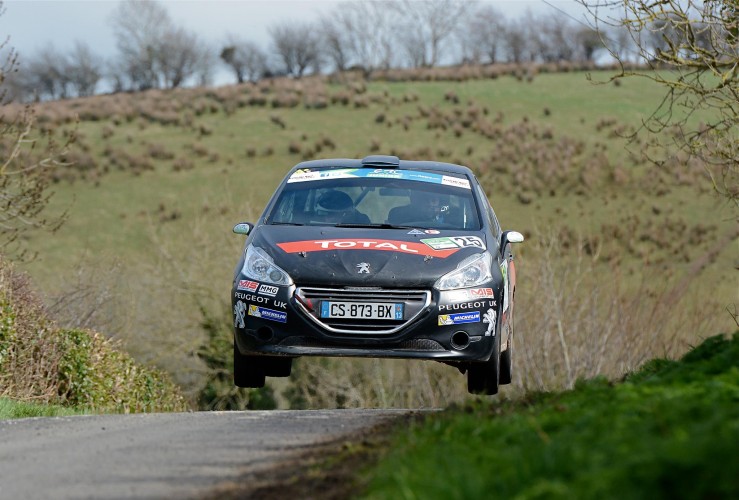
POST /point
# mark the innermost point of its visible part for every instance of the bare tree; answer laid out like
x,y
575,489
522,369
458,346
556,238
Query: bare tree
x,y
45,75
516,42
245,58
552,38
427,25
336,42
296,45
139,27
482,35
178,56
370,33
84,69
691,49
588,42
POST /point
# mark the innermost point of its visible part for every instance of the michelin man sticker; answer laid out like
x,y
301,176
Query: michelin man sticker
x,y
489,318
239,310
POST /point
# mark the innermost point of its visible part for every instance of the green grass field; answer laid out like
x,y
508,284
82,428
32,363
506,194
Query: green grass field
x,y
148,240
669,431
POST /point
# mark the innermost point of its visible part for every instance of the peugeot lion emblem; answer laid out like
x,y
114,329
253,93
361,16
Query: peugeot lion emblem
x,y
363,267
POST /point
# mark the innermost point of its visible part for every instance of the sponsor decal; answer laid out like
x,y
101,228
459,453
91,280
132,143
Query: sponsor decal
x,y
466,294
239,309
264,313
411,175
414,231
363,268
449,242
489,318
468,305
432,231
268,290
260,300
251,298
247,285
457,295
459,318
302,176
455,181
352,244
388,174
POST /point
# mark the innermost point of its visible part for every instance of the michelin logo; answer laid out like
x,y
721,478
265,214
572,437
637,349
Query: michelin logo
x,y
459,318
264,313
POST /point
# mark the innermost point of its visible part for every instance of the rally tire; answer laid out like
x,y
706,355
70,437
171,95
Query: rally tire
x,y
248,371
484,378
505,367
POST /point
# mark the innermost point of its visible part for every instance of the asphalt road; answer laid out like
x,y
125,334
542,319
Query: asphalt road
x,y
175,455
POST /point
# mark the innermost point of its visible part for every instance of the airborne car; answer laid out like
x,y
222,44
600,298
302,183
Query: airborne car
x,y
378,257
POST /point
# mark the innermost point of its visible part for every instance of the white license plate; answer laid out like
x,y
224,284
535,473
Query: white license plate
x,y
365,310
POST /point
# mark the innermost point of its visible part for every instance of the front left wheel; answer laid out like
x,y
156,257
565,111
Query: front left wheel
x,y
248,371
484,378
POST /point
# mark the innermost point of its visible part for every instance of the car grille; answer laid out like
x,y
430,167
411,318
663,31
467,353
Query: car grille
x,y
415,301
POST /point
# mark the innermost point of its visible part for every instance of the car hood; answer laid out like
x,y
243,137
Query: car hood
x,y
366,257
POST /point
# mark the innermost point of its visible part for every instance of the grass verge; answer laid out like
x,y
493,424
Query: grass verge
x,y
20,409
668,431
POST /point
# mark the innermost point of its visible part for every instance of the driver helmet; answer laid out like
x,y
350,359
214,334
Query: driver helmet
x,y
335,202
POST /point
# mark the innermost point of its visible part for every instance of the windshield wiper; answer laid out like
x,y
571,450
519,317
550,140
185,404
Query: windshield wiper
x,y
286,224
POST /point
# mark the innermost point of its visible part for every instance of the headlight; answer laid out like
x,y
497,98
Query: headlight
x,y
261,267
472,271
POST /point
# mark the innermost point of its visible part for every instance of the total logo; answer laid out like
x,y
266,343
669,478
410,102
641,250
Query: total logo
x,y
350,244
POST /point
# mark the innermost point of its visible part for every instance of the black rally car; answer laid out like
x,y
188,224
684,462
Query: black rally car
x,y
378,257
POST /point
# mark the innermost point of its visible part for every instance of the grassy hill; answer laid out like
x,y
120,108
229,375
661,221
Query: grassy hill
x,y
623,261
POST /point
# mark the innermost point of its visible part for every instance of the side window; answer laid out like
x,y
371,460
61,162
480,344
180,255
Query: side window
x,y
492,218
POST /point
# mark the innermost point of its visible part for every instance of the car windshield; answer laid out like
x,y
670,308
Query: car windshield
x,y
368,197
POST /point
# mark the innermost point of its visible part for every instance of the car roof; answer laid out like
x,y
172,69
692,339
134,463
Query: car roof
x,y
382,161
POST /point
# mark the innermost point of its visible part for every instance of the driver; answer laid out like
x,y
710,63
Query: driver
x,y
424,207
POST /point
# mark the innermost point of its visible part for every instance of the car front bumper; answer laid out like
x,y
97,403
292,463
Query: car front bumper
x,y
449,326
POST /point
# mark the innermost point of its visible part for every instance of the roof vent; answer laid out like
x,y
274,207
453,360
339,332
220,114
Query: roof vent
x,y
381,161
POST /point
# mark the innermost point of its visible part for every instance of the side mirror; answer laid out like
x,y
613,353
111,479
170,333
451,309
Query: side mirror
x,y
514,237
510,237
243,228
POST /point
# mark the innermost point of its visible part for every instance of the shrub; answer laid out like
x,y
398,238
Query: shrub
x,y
43,363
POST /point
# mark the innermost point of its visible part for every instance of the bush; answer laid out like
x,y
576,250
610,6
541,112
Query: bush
x,y
43,363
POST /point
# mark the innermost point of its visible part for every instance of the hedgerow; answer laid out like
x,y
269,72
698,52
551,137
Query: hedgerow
x,y
42,363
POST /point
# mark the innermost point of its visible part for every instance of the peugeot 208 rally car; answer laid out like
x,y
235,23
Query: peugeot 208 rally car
x,y
377,257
